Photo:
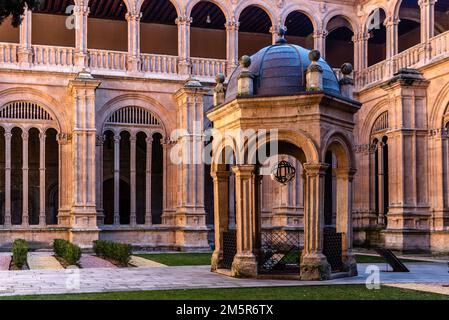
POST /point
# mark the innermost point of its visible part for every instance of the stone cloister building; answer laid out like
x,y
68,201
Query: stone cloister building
x,y
92,91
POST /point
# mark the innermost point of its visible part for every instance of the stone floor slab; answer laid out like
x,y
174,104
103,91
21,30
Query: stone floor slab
x,y
135,279
5,261
140,262
433,288
88,261
43,261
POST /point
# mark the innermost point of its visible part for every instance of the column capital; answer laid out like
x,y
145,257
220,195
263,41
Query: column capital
x,y
348,173
313,169
81,8
99,140
423,3
133,16
220,175
320,33
232,25
64,138
244,169
184,20
391,21
117,138
25,135
42,135
149,139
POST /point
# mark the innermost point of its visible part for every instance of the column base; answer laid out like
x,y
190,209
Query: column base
x,y
244,266
216,261
349,264
315,267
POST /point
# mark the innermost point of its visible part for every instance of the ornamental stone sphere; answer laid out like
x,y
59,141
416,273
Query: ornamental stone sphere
x,y
220,78
245,61
346,69
314,55
283,172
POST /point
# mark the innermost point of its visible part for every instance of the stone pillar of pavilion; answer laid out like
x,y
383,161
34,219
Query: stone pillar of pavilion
x,y
247,221
83,219
25,53
133,60
408,163
190,216
314,265
232,46
99,178
183,23
427,26
81,13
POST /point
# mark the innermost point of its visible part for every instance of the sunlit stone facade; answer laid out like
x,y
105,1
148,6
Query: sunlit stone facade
x,y
90,96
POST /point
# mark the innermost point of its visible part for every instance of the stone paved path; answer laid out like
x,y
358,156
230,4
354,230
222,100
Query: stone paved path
x,y
31,282
5,261
43,261
88,261
140,262
434,288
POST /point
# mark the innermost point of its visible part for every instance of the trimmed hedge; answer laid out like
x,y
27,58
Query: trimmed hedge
x,y
70,252
120,252
19,253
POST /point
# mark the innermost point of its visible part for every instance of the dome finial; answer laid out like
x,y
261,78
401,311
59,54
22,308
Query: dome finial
x,y
281,35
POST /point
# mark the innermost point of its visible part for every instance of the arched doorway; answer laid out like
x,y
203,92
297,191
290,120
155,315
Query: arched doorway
x,y
132,165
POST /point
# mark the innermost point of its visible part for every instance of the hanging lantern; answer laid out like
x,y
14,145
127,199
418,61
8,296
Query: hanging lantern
x,y
283,172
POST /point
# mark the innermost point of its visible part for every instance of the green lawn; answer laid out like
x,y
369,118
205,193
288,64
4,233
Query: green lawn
x,y
197,259
180,259
348,292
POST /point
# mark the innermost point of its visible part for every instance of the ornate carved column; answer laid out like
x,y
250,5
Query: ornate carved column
x,y
8,137
221,214
25,172
99,178
133,60
314,265
360,40
391,24
25,53
380,187
183,23
427,25
83,220
117,180
42,186
148,172
232,46
247,216
133,187
66,176
81,12
319,38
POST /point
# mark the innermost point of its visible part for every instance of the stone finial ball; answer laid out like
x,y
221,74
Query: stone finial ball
x,y
314,55
220,78
245,61
346,69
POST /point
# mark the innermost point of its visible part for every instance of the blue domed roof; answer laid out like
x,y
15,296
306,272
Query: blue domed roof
x,y
280,70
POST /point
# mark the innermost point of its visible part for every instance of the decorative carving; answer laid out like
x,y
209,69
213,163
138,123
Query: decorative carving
x,y
64,138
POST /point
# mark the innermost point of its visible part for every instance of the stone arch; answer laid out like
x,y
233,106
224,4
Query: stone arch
x,y
192,3
141,101
298,139
368,15
304,9
339,13
139,3
248,3
440,108
341,146
48,103
371,118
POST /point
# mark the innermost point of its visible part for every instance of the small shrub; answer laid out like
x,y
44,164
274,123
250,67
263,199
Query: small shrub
x,y
19,253
70,252
120,252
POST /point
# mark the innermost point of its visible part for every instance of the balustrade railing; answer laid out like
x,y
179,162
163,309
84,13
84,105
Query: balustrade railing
x,y
440,44
107,60
53,56
8,52
159,63
205,67
408,58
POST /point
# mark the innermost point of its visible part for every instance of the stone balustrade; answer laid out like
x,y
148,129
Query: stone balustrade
x,y
107,60
163,64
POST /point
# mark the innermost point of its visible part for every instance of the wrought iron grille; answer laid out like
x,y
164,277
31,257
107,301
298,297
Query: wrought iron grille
x,y
279,253
332,249
229,248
